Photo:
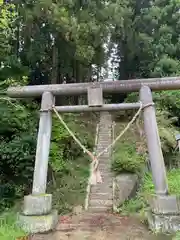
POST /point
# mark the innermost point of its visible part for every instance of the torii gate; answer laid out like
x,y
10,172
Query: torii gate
x,y
39,203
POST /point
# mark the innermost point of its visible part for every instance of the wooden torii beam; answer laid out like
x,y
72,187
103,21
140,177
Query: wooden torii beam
x,y
155,84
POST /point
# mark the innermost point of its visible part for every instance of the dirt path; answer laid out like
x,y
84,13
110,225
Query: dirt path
x,y
91,226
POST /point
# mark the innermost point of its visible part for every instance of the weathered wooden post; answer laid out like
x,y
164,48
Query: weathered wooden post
x,y
153,142
164,212
43,145
37,213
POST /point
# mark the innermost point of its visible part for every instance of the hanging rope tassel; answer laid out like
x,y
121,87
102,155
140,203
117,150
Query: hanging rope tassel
x,y
95,175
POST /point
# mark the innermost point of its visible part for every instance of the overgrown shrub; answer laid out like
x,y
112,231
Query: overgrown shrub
x,y
139,203
63,146
126,159
170,101
17,148
18,135
166,121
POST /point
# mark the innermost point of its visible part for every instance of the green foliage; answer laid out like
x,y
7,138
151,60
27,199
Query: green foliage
x,y
166,108
139,203
170,101
63,146
17,149
18,134
7,19
8,227
126,159
70,184
177,236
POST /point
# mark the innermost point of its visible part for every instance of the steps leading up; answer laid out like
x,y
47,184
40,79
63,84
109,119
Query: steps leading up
x,y
100,197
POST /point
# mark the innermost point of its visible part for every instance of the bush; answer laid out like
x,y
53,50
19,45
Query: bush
x,y
17,147
170,101
18,135
139,203
126,159
63,147
165,119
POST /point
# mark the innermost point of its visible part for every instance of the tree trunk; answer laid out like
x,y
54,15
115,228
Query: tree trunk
x,y
54,75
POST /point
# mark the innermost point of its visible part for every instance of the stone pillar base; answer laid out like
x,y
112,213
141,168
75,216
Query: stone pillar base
x,y
164,214
163,223
37,205
38,224
37,215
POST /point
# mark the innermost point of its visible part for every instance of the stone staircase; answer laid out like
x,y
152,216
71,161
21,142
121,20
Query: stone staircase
x,y
100,197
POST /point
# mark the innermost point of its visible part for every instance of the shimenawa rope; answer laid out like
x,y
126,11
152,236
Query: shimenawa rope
x,y
91,155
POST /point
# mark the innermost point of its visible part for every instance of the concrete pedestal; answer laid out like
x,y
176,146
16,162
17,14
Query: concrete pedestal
x,y
37,215
164,213
38,224
37,205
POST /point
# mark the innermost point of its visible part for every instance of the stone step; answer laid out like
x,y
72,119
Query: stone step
x,y
103,141
104,156
107,174
106,181
83,226
104,169
105,163
106,134
105,187
104,147
67,226
100,202
104,196
98,209
96,189
104,131
105,119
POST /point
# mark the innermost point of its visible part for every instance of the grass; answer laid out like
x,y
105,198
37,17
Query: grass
x,y
138,204
70,188
177,237
8,228
126,159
